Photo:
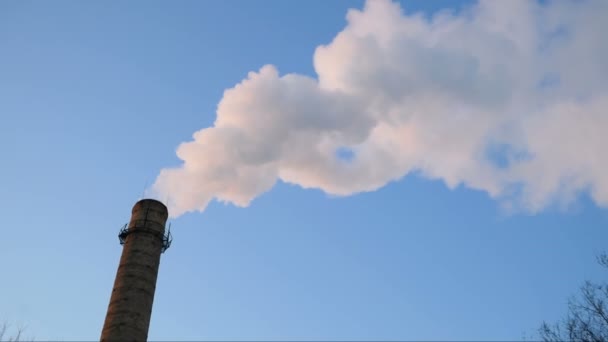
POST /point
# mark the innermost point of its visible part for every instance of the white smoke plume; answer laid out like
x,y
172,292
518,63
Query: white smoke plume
x,y
506,97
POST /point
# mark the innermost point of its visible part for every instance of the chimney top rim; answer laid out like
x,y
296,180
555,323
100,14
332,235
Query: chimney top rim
x,y
150,200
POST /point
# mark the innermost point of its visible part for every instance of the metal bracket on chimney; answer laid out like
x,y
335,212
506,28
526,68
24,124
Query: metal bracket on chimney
x,y
166,238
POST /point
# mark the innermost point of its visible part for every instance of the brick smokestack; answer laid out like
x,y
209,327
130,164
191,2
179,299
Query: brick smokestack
x,y
144,239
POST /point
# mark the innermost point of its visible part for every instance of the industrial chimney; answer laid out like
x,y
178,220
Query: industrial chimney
x,y
144,239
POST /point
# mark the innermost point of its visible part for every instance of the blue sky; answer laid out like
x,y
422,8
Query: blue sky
x,y
95,97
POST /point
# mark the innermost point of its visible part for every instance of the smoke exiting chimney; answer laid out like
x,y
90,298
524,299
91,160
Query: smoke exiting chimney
x,y
483,97
144,239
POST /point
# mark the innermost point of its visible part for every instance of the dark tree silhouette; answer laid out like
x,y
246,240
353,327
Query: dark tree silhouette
x,y
587,318
10,335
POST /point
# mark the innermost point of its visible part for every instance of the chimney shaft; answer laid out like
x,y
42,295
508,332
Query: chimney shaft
x,y
130,308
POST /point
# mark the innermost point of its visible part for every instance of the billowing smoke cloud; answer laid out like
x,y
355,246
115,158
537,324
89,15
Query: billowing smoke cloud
x,y
506,97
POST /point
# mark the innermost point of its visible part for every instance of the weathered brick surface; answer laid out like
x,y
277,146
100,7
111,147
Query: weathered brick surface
x,y
130,308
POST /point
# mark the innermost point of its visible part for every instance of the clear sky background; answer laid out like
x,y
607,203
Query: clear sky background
x,y
96,96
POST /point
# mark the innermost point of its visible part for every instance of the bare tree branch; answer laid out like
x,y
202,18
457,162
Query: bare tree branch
x,y
3,329
8,336
587,319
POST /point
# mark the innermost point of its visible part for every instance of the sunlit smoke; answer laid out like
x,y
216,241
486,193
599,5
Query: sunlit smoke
x,y
506,97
